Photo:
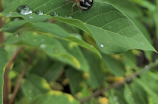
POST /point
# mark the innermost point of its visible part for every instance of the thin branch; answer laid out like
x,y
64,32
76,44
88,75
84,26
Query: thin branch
x,y
117,84
6,79
21,76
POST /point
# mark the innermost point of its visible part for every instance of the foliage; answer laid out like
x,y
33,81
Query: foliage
x,y
81,53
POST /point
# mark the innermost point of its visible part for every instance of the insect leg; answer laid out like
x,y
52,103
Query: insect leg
x,y
72,8
79,7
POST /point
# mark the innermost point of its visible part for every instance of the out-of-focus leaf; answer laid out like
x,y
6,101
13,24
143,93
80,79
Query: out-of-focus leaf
x,y
148,90
30,90
55,97
115,66
47,43
96,70
23,100
74,50
155,16
53,72
130,60
139,95
150,80
75,80
3,62
108,33
128,95
39,82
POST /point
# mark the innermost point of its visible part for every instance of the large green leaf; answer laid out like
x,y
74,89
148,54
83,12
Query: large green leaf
x,y
112,30
3,62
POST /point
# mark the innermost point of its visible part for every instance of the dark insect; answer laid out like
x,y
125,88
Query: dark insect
x,y
81,4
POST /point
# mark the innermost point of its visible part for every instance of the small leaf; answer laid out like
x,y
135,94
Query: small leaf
x,y
96,69
128,95
30,90
115,66
39,82
55,97
75,80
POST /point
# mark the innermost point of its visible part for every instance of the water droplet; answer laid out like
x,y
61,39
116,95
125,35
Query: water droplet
x,y
30,16
8,15
69,17
39,12
42,45
54,14
6,28
16,19
117,103
92,46
142,43
24,10
115,98
17,34
102,45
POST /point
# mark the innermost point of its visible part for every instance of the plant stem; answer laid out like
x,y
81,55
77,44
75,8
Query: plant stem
x,y
6,79
21,76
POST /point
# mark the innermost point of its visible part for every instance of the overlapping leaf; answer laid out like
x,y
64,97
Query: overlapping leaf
x,y
3,62
111,29
17,27
48,44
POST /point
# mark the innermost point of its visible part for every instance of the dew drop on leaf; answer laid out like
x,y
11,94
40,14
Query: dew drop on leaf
x,y
69,17
102,45
24,10
42,45
30,16
39,12
54,14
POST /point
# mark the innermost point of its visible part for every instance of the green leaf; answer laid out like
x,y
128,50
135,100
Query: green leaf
x,y
75,79
3,62
155,16
47,43
127,7
112,30
55,97
74,50
55,30
39,82
139,94
96,70
53,72
128,95
30,90
115,66
148,90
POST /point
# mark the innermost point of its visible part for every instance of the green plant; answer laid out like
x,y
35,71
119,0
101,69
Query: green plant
x,y
63,59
